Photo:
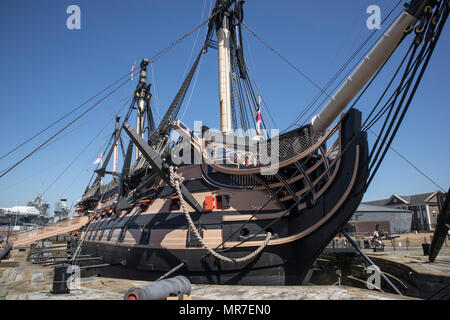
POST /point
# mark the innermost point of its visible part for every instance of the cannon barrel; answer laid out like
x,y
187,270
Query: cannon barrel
x,y
160,290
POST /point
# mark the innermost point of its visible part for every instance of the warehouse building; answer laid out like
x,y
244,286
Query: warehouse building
x,y
389,220
424,207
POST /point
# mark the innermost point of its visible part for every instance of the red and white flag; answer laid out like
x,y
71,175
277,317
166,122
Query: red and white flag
x,y
258,116
98,160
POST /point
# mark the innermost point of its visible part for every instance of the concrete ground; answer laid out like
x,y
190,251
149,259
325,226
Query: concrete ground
x,y
417,261
21,280
32,286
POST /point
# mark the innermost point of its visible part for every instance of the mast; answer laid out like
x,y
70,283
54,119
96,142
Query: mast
x,y
379,54
141,94
224,56
116,145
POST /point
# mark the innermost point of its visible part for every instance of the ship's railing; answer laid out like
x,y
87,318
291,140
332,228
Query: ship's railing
x,y
284,150
48,231
318,159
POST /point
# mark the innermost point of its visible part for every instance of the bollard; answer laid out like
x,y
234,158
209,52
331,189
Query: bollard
x,y
60,279
4,249
426,249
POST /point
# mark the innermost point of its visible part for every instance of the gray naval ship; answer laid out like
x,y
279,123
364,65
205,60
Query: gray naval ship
x,y
34,214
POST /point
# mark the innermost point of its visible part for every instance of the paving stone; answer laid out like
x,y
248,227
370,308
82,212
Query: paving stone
x,y
10,263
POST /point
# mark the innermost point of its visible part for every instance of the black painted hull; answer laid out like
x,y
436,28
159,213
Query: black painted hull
x,y
281,264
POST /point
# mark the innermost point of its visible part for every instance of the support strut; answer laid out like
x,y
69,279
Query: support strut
x,y
157,164
370,262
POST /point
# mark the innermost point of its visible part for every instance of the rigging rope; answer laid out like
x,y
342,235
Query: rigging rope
x,y
155,96
84,149
331,81
61,130
63,117
432,44
78,250
411,164
300,199
173,44
261,208
105,147
193,45
46,146
127,75
286,211
187,63
408,84
264,106
346,148
387,104
286,60
175,181
339,72
192,90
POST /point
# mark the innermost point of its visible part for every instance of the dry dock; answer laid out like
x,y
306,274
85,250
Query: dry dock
x,y
21,280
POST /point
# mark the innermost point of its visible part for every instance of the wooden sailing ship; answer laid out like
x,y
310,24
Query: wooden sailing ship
x,y
244,210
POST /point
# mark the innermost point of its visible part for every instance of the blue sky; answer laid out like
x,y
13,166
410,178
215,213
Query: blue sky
x,y
46,70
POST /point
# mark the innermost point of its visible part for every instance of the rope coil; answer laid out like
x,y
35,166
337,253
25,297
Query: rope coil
x,y
175,181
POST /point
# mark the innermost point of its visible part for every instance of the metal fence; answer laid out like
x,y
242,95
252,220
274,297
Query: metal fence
x,y
343,244
411,244
395,244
